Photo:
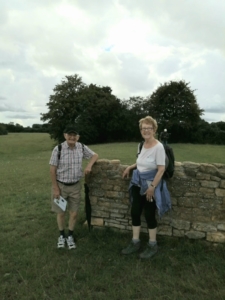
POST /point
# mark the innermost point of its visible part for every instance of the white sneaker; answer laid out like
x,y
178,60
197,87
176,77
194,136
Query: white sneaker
x,y
70,242
61,242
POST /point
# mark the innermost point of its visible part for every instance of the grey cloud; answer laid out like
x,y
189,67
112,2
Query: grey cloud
x,y
2,98
215,110
23,117
7,107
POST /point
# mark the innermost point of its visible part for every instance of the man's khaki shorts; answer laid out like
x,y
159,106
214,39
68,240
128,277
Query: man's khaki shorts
x,y
72,193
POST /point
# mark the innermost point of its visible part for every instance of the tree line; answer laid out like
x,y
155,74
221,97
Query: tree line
x,y
101,117
11,127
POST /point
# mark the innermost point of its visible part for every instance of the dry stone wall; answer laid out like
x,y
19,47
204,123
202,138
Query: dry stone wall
x,y
197,194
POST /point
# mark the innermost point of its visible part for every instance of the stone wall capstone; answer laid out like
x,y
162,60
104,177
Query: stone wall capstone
x,y
197,192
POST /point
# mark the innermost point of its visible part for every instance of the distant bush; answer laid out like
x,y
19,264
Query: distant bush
x,y
3,130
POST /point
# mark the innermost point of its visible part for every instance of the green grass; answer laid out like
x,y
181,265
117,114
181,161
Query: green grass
x,y
126,152
32,268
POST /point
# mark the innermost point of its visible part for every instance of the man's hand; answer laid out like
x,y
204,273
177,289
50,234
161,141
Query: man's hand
x,y
56,192
87,170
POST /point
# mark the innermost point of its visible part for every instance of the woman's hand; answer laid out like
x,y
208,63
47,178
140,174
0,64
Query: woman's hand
x,y
126,172
150,193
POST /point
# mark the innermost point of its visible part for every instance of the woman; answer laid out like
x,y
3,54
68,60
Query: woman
x,y
147,190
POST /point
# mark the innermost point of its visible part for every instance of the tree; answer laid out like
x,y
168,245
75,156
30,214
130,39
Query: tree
x,y
99,115
175,107
134,110
92,109
3,130
62,106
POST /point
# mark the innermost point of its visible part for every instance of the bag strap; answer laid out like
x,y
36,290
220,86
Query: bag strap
x,y
60,148
140,145
59,151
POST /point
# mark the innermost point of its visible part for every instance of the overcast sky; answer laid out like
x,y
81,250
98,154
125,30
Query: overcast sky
x,y
131,46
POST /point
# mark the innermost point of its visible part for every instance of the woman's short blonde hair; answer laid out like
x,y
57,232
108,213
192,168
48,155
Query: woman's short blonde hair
x,y
148,120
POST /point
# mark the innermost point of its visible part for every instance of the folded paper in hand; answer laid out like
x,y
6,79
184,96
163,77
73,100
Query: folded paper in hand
x,y
61,202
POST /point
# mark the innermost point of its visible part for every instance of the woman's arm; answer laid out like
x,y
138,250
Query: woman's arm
x,y
150,191
128,169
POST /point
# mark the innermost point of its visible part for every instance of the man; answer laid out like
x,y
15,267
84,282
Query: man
x,y
66,172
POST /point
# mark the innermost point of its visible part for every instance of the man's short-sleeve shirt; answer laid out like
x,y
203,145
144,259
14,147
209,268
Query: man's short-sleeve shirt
x,y
69,166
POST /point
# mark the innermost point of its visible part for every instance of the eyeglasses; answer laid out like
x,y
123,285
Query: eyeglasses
x,y
73,134
146,128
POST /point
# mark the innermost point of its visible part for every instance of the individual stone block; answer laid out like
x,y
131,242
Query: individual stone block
x,y
208,169
222,184
202,176
99,213
164,230
221,227
117,188
215,178
195,235
144,227
106,187
102,162
97,221
204,227
209,184
186,202
113,215
190,165
111,224
220,192
98,193
180,224
221,174
178,233
205,190
217,237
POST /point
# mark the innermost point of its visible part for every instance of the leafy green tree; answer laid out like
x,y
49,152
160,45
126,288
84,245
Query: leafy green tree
x,y
99,115
134,110
175,107
92,109
220,125
63,105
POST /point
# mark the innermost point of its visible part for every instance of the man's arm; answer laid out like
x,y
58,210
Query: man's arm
x,y
90,164
56,190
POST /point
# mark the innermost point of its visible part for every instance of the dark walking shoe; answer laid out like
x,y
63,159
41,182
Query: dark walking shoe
x,y
132,247
149,251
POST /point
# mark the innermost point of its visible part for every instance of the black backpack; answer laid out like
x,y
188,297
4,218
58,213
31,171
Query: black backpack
x,y
170,160
60,148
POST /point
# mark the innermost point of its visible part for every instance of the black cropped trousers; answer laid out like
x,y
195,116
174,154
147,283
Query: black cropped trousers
x,y
139,203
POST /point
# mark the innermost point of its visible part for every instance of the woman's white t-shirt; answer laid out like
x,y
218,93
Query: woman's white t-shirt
x,y
149,159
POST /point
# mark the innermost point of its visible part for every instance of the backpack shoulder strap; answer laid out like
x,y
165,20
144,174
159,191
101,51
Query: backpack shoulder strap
x,y
140,145
82,147
59,151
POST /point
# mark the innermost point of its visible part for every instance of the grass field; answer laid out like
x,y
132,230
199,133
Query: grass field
x,y
32,268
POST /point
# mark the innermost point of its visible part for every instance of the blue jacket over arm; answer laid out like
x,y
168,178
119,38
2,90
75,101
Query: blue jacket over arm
x,y
161,195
